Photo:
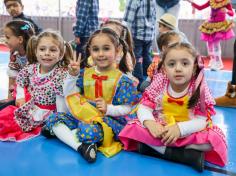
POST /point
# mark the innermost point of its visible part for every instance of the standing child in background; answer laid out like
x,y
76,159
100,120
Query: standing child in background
x,y
17,34
140,17
217,28
48,58
168,23
174,117
125,34
98,111
163,41
15,9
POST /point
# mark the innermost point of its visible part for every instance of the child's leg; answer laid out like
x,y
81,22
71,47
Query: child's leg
x,y
189,157
63,125
218,64
210,48
217,51
67,136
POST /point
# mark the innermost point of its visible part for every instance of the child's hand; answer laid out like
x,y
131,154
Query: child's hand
x,y
171,134
74,66
20,102
155,128
101,105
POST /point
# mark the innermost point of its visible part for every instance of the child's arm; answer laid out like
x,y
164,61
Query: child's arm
x,y
20,96
230,11
146,118
11,86
181,129
199,7
69,85
192,126
112,110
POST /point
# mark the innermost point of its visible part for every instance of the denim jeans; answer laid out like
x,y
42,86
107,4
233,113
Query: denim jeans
x,y
142,51
80,48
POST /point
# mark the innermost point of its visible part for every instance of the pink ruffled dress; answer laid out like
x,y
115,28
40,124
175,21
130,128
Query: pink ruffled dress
x,y
154,97
217,27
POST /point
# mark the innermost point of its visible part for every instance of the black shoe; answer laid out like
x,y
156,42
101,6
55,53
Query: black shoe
x,y
46,132
189,157
88,151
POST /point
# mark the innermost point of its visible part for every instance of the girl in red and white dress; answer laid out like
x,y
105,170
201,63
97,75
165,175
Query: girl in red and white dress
x,y
174,117
39,88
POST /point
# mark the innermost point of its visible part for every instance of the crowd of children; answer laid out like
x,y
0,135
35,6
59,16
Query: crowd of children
x,y
92,102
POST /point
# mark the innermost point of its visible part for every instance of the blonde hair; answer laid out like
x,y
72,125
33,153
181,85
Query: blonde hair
x,y
65,48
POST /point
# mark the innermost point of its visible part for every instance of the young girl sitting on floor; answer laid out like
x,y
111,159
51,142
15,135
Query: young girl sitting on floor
x,y
174,117
98,98
43,78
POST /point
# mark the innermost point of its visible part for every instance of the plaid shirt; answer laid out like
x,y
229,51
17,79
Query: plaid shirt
x,y
141,22
86,18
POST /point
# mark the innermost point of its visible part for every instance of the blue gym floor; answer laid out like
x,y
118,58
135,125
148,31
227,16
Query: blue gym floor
x,y
49,157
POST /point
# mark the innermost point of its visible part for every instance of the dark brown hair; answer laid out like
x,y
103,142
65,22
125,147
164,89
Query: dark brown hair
x,y
125,36
116,40
165,38
21,28
19,1
191,50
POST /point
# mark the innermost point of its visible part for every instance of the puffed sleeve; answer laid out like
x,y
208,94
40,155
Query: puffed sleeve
x,y
154,90
23,76
73,84
60,77
126,93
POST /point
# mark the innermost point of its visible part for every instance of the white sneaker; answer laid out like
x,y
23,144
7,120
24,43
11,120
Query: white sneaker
x,y
217,65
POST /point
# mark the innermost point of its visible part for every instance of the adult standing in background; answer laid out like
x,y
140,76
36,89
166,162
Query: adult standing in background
x,y
15,8
86,22
140,17
168,6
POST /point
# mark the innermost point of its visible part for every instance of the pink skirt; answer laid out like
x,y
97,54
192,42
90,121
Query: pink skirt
x,y
218,36
133,133
10,130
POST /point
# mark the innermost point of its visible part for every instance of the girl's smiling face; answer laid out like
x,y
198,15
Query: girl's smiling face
x,y
12,41
48,54
103,52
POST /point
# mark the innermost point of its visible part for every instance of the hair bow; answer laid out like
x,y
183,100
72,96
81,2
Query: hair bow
x,y
25,27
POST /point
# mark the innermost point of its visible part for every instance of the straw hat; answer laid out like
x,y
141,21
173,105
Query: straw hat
x,y
168,20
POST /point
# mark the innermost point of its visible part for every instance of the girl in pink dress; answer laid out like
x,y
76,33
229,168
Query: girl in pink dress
x,y
39,88
216,28
174,117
